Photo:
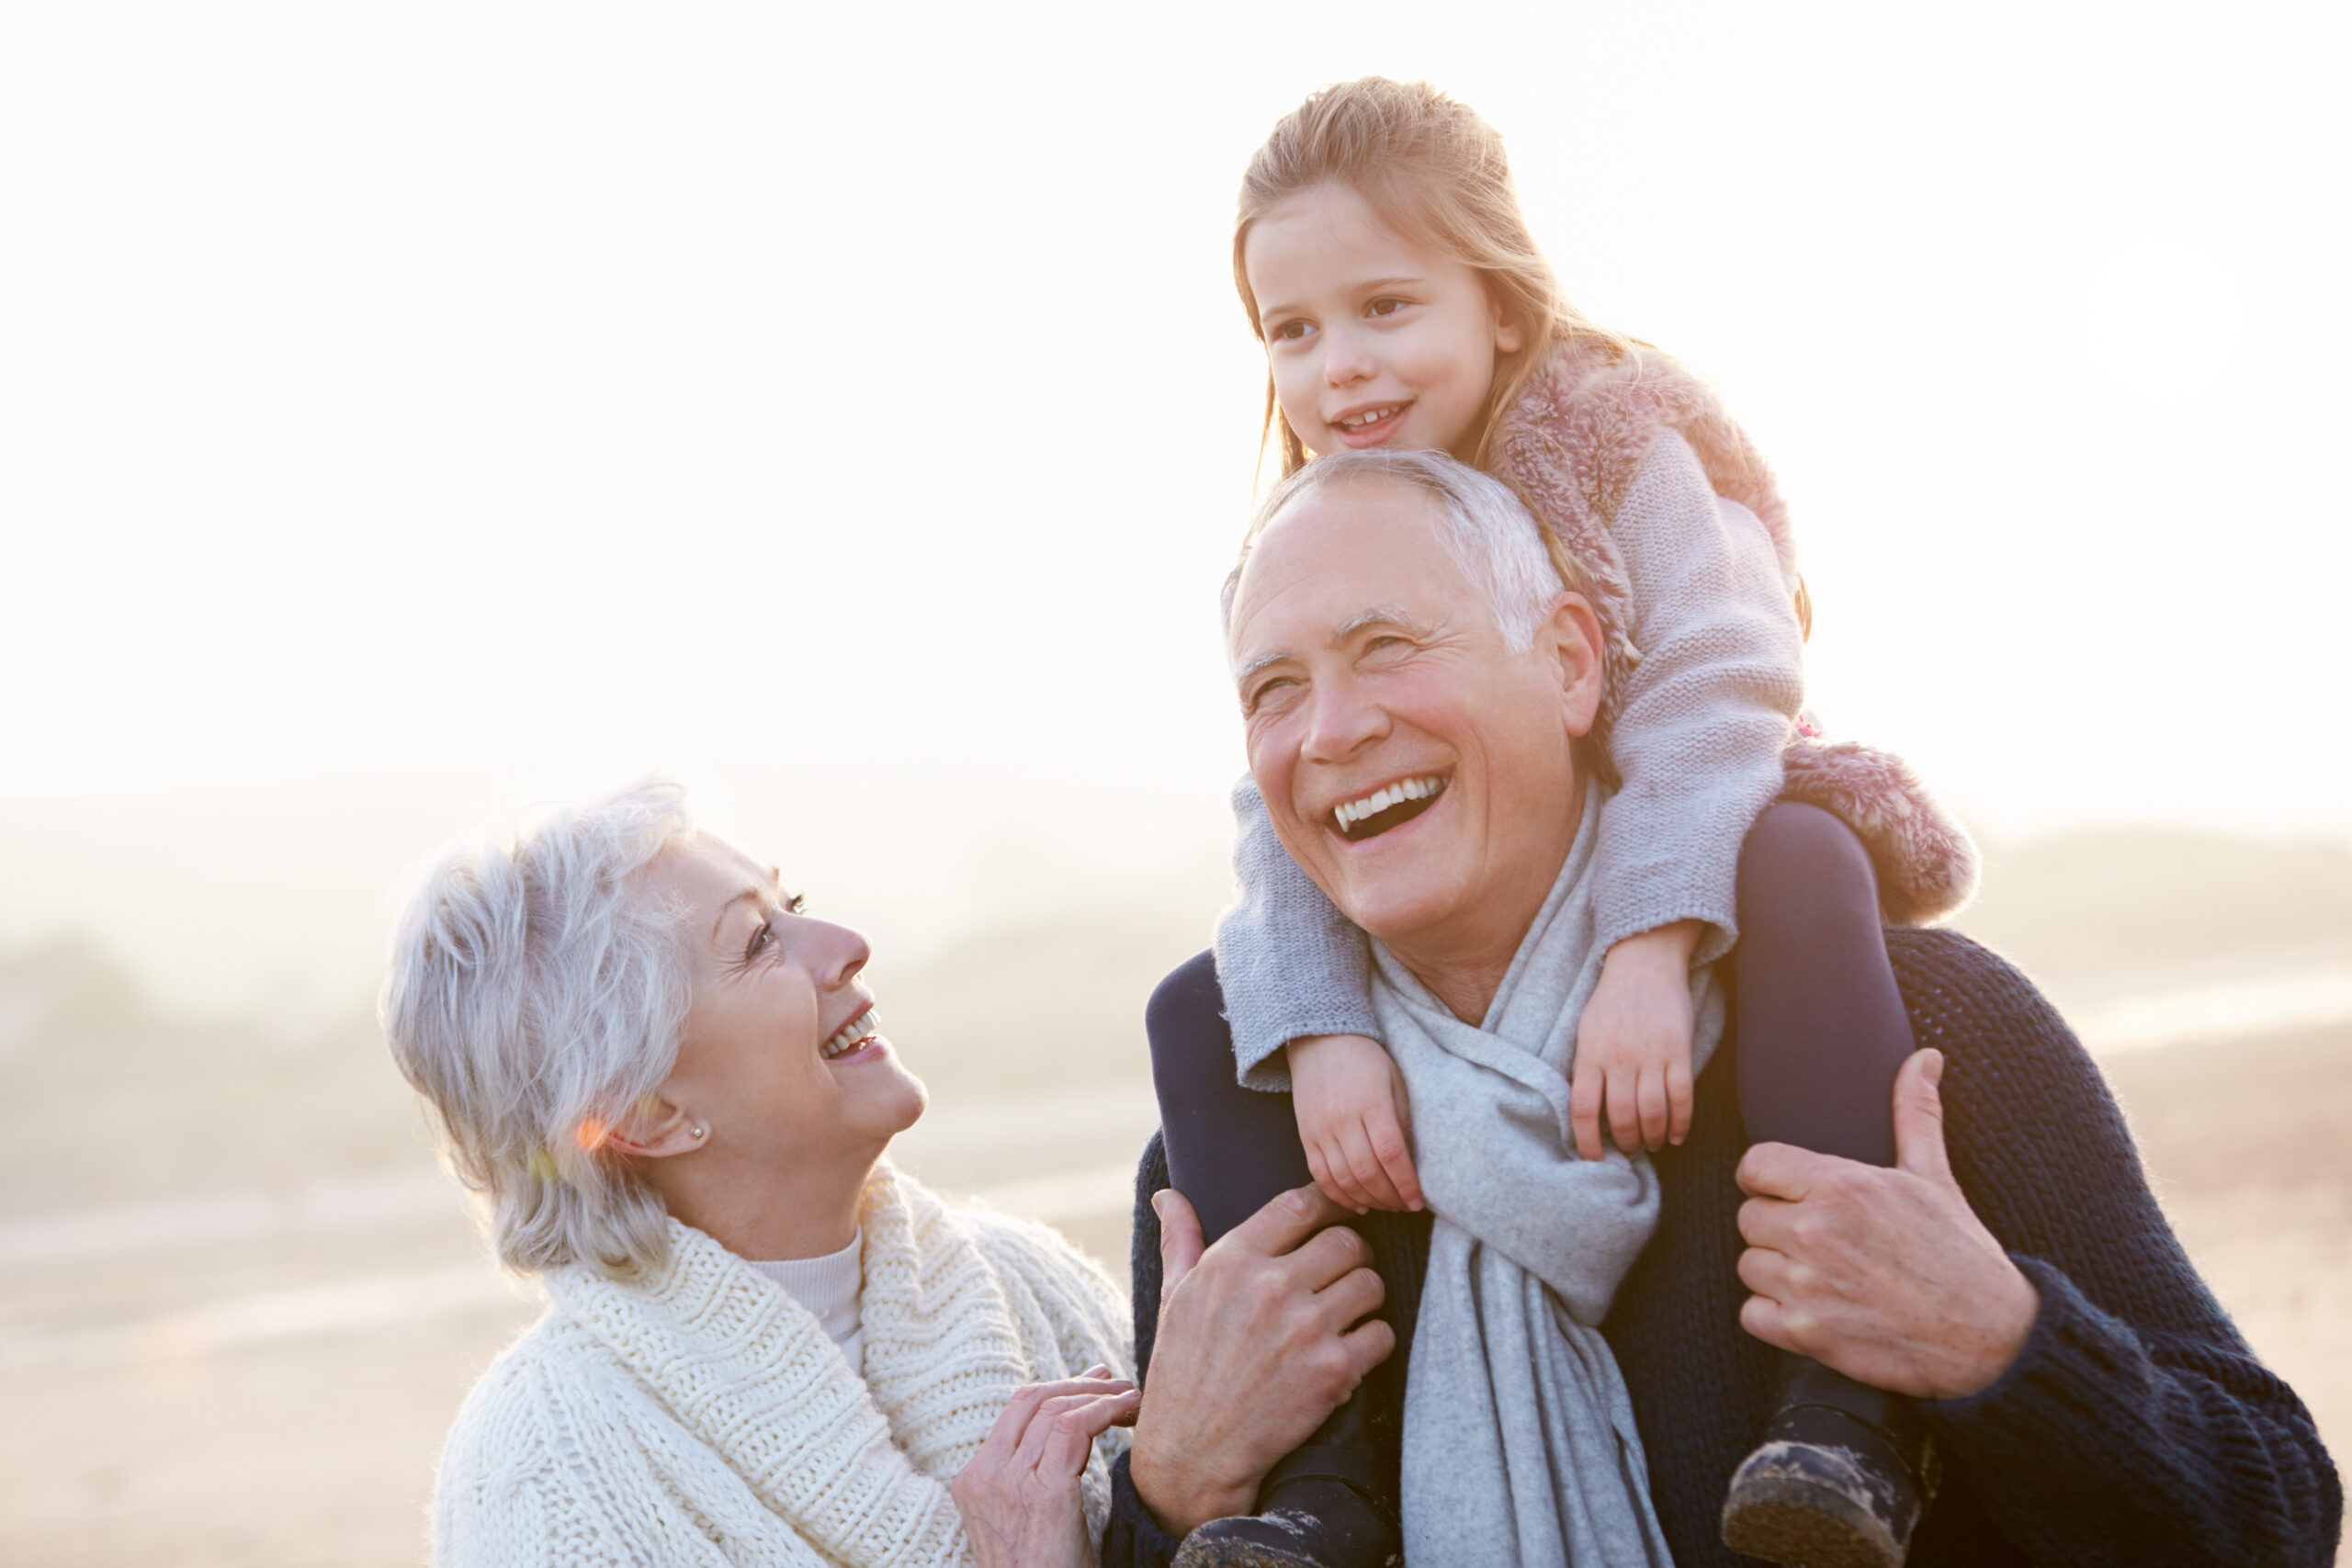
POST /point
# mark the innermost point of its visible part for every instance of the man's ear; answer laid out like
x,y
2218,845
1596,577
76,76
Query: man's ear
x,y
1571,635
656,1130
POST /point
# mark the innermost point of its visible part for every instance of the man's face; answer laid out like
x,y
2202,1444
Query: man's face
x,y
1417,768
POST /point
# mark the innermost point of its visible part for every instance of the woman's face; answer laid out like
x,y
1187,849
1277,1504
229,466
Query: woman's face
x,y
782,1062
1373,342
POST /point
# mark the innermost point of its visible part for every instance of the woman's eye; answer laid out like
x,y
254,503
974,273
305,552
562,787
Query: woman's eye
x,y
760,940
797,905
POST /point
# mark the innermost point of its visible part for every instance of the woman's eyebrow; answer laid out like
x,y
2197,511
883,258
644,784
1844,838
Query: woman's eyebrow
x,y
751,894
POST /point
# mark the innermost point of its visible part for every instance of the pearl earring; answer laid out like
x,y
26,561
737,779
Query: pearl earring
x,y
699,1132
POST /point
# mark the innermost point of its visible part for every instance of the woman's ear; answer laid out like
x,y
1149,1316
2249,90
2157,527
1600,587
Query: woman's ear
x,y
657,1130
1571,635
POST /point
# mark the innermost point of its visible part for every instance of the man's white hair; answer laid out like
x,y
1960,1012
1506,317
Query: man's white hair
x,y
1484,527
536,998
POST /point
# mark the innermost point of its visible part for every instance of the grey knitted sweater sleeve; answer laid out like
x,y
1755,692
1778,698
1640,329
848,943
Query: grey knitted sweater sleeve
x,y
1288,963
1698,734
1704,715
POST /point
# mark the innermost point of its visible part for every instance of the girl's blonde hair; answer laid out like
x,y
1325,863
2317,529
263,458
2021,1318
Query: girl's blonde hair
x,y
1435,175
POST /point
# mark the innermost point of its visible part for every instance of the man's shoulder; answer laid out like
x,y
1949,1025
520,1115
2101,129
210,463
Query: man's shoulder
x,y
1963,995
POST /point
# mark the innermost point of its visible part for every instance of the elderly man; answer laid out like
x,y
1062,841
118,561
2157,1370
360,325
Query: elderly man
x,y
2011,1273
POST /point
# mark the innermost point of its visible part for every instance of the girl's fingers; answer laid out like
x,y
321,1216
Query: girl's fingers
x,y
1395,1153
1371,1180
1624,1111
1677,1100
1355,1158
1651,1098
1584,1109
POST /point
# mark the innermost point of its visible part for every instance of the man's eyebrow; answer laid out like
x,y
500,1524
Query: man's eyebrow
x,y
749,895
1378,615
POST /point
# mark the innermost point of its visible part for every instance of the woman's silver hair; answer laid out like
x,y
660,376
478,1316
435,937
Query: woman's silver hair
x,y
536,997
1486,529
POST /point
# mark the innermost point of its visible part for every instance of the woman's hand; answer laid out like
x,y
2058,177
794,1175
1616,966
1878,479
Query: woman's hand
x,y
1634,1046
1019,1495
1353,1120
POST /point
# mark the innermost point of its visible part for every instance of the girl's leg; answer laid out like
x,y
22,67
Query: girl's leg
x,y
1822,1026
1229,1149
1845,1471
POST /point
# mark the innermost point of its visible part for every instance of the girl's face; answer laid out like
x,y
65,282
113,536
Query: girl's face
x,y
1373,343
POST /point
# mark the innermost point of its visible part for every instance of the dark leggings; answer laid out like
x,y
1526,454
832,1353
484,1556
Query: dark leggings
x,y
1822,1029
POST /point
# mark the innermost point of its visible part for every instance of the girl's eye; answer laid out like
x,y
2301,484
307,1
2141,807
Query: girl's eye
x,y
1385,306
1290,331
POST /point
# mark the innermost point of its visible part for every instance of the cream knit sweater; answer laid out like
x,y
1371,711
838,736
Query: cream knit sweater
x,y
698,1414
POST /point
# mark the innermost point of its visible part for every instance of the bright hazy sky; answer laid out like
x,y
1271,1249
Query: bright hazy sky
x,y
438,385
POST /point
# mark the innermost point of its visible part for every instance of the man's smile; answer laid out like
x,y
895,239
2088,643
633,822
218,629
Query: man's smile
x,y
1371,814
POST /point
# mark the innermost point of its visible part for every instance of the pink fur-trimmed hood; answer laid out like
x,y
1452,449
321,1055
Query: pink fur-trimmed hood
x,y
1571,446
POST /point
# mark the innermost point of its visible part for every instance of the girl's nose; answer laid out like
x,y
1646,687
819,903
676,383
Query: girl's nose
x,y
1347,357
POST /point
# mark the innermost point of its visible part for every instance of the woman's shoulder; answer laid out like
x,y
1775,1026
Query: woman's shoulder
x,y
503,1427
1007,1242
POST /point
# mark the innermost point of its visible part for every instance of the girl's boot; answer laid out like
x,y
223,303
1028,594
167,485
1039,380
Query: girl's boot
x,y
1840,1480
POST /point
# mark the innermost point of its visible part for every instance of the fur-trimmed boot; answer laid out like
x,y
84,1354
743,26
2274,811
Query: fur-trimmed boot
x,y
1332,1503
1840,1479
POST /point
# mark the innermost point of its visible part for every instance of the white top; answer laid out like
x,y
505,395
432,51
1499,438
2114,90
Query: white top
x,y
828,1288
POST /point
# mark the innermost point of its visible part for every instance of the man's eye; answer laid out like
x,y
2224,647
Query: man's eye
x,y
1265,690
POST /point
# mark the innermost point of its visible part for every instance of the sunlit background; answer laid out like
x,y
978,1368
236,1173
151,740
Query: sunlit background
x,y
407,412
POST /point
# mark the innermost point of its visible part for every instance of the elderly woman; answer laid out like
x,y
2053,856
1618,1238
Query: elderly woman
x,y
762,1343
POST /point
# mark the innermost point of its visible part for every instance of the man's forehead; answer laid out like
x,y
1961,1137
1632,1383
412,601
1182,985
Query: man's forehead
x,y
1342,560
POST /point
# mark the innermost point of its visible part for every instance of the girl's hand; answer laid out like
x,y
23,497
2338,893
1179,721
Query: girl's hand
x,y
1353,1120
1019,1495
1633,1045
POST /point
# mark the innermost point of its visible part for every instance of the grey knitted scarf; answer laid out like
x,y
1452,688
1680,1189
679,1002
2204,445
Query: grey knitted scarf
x,y
1519,1443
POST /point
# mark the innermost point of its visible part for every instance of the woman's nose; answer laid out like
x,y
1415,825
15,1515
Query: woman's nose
x,y
842,954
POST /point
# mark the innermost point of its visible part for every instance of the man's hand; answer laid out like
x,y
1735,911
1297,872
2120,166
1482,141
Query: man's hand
x,y
1261,1336
1352,1118
1633,1045
1887,1276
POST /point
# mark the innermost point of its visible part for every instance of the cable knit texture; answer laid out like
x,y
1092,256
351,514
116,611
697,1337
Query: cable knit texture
x,y
698,1414
2135,1429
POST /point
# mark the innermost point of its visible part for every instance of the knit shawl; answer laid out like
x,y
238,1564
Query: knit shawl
x,y
1570,445
1520,1438
698,1414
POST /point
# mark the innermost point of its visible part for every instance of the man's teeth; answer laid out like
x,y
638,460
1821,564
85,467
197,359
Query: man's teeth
x,y
1380,800
1359,420
856,1031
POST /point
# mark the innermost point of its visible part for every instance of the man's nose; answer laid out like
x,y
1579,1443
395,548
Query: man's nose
x,y
1340,721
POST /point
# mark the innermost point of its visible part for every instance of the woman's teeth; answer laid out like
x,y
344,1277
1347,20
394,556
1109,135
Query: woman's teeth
x,y
1357,421
851,1035
1354,812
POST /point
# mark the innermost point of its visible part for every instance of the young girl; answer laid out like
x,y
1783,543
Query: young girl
x,y
1383,262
